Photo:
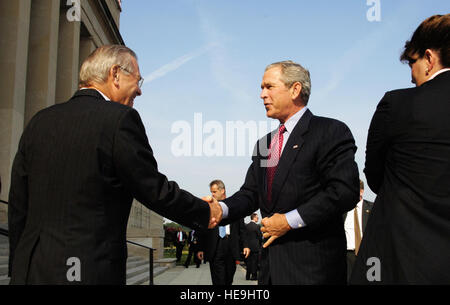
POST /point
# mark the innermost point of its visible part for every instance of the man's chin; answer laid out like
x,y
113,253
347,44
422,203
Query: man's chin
x,y
270,114
130,103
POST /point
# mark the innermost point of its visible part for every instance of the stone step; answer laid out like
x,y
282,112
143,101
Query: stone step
x,y
131,259
135,276
131,272
143,278
4,252
138,279
137,270
166,262
4,260
4,269
136,263
4,280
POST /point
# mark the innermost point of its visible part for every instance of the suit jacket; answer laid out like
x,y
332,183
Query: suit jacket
x,y
77,169
193,240
408,167
177,241
237,240
318,176
254,237
366,209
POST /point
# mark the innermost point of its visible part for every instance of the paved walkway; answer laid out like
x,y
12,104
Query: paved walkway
x,y
180,275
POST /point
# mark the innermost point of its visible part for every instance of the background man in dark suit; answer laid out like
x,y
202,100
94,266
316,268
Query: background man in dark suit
x,y
355,226
180,240
194,243
78,166
254,239
308,182
408,167
222,245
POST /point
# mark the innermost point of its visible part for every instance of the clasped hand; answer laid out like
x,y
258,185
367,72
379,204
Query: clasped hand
x,y
215,215
274,227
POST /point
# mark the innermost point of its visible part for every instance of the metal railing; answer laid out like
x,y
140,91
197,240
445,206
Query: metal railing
x,y
150,257
4,232
150,250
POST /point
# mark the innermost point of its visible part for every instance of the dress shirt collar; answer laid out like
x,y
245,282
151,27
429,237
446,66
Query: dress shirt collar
x,y
104,96
359,205
293,120
439,72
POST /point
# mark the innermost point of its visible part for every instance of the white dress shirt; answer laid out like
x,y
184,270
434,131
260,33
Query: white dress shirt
x,y
349,226
438,72
104,96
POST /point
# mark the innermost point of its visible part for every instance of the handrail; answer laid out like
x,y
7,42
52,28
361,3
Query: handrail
x,y
5,232
3,201
150,259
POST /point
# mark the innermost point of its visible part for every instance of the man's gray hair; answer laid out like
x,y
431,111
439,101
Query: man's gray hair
x,y
291,73
97,65
219,183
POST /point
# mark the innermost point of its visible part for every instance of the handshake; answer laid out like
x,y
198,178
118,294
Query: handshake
x,y
215,215
273,227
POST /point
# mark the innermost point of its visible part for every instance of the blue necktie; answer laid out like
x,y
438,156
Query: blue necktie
x,y
222,231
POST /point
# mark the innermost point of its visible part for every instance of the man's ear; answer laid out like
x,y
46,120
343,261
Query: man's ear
x,y
114,74
432,59
296,89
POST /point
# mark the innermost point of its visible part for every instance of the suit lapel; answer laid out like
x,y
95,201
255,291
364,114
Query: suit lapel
x,y
262,159
290,151
366,209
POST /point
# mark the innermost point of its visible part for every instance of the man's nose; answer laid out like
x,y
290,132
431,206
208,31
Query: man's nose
x,y
263,94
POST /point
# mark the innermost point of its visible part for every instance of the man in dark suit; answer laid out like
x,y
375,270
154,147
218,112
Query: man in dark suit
x,y
408,166
305,186
222,245
355,225
180,240
254,240
77,169
194,243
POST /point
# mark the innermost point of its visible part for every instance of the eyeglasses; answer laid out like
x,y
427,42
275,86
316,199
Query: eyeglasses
x,y
411,61
141,79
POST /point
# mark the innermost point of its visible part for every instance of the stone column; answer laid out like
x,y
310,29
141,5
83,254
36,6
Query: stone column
x,y
42,56
68,57
87,46
157,233
14,30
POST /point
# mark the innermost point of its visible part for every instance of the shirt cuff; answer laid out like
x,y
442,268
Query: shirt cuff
x,y
294,219
224,209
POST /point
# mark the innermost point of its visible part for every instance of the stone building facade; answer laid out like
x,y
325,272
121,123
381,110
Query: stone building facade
x,y
43,43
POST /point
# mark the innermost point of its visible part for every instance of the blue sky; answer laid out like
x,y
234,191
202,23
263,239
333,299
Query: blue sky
x,y
208,57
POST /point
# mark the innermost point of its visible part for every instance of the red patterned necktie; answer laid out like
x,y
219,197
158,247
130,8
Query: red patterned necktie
x,y
274,157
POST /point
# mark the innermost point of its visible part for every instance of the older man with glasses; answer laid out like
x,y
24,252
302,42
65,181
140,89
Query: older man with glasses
x,y
78,167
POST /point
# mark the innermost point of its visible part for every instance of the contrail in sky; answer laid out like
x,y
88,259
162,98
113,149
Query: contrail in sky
x,y
177,63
